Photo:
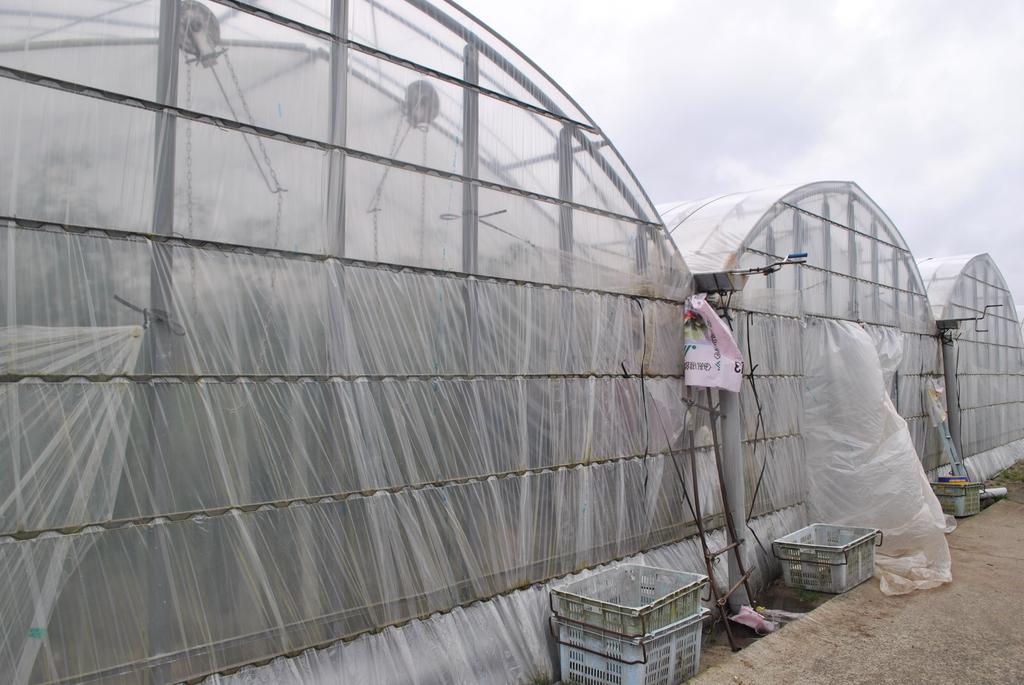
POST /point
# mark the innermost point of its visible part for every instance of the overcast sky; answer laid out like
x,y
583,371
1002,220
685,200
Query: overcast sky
x,y
921,103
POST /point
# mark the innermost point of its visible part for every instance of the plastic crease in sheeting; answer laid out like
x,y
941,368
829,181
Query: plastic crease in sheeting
x,y
502,640
861,467
70,349
94,475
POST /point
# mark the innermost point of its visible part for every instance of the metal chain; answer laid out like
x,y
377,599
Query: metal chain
x,y
277,188
374,209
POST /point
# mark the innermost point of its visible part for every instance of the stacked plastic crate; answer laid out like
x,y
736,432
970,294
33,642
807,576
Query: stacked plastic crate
x,y
629,625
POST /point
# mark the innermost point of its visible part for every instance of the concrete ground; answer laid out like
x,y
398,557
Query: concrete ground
x,y
970,631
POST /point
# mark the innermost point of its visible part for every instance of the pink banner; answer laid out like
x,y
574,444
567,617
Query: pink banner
x,y
711,356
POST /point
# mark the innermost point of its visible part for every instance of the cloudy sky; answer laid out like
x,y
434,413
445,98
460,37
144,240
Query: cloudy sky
x,y
920,102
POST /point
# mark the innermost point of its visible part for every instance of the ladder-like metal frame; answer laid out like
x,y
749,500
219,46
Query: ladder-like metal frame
x,y
733,543
956,464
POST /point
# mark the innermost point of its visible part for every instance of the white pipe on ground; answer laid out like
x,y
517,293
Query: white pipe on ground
x,y
989,493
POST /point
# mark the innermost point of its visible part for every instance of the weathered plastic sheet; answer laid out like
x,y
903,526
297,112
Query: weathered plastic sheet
x,y
863,469
477,641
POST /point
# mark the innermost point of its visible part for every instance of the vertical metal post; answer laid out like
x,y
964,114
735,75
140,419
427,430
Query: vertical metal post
x,y
470,160
471,198
166,123
565,229
338,89
826,240
949,352
158,336
735,488
334,307
334,296
799,245
876,272
897,294
851,238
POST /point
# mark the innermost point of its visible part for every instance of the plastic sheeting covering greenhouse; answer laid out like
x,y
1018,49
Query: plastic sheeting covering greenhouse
x,y
988,358
859,290
320,319
334,334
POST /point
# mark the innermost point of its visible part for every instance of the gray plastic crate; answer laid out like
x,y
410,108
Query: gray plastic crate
x,y
630,599
591,656
958,499
827,558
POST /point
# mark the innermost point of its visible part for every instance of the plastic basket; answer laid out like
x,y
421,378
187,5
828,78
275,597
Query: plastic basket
x,y
958,499
630,599
591,656
827,558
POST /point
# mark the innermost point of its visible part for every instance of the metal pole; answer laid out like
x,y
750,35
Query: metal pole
x,y
565,192
471,199
158,335
337,127
470,160
949,353
735,488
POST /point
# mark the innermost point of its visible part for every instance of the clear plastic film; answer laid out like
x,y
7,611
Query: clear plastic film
x,y
479,645
863,469
277,579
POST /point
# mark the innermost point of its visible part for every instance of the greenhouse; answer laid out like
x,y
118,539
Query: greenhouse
x,y
335,334
824,276
986,353
319,318
858,269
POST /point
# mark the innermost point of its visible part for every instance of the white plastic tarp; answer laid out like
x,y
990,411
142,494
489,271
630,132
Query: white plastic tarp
x,y
861,465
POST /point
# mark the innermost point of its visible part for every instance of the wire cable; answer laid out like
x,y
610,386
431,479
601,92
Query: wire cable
x,y
759,425
661,422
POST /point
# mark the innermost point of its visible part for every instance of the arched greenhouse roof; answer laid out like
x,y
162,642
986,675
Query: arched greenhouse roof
x,y
961,286
989,357
714,229
419,97
858,264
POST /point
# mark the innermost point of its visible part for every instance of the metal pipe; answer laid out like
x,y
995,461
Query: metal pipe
x,y
565,214
160,345
337,127
735,488
471,201
993,493
949,355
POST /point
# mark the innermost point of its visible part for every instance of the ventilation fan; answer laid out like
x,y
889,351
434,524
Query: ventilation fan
x,y
422,104
199,33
